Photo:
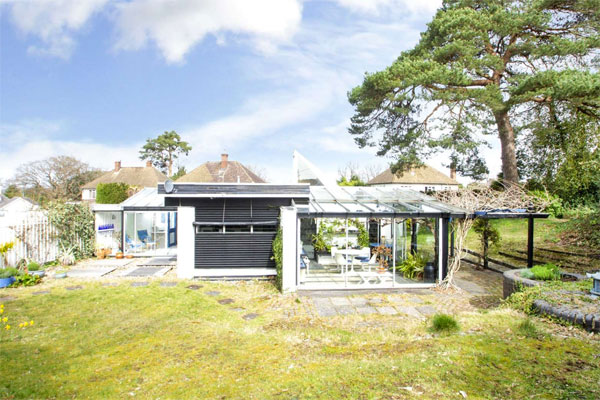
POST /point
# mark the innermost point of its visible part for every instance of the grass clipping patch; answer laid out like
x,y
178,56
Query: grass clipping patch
x,y
444,323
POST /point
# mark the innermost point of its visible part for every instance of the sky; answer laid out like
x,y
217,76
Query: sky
x,y
257,79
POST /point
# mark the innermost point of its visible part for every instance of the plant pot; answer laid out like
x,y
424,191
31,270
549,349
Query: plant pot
x,y
429,273
6,282
62,275
119,255
130,256
41,273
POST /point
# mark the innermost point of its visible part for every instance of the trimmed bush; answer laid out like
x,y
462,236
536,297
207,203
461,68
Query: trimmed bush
x,y
111,193
33,266
444,323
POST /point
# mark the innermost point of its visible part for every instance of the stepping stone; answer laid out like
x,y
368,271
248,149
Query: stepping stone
x,y
250,316
139,284
322,301
96,272
74,287
358,301
194,287
41,292
365,310
110,284
212,292
7,298
226,301
160,261
147,271
340,301
387,310
238,309
345,310
326,311
410,311
375,301
168,284
417,300
426,310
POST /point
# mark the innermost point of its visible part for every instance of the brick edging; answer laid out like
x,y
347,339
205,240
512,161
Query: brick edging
x,y
591,322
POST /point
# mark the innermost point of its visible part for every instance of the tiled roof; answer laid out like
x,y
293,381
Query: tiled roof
x,y
420,175
234,172
133,176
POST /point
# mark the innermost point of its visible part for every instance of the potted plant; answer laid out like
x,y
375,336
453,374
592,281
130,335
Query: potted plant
x,y
34,268
383,255
61,274
7,276
67,256
414,266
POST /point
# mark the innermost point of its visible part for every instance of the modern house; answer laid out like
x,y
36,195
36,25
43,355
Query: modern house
x,y
140,177
423,179
224,171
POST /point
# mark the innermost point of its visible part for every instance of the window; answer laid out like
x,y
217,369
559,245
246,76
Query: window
x,y
264,228
209,228
238,228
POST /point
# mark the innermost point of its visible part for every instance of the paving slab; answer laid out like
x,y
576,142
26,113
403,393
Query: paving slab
x,y
195,287
110,284
365,310
91,272
7,298
415,299
358,301
148,271
109,262
139,284
340,301
345,310
250,316
322,301
375,300
387,310
226,301
426,310
160,261
168,284
39,292
470,287
326,311
410,311
238,309
213,293
78,287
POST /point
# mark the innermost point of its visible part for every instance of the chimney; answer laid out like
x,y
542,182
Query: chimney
x,y
452,171
117,166
148,164
224,158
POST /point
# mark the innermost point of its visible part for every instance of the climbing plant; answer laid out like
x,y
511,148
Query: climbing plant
x,y
278,257
75,227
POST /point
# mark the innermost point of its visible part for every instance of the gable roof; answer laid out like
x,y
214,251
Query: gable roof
x,y
420,175
5,201
234,172
133,176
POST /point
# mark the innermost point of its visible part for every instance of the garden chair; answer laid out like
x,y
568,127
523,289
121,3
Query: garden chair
x,y
131,246
145,238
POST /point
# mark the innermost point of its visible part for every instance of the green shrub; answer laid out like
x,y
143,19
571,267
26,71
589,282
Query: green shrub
x,y
33,266
554,203
528,329
8,272
413,266
444,323
26,280
111,193
75,226
523,299
278,257
546,272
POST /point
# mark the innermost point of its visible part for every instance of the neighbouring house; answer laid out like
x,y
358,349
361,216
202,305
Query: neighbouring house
x,y
140,177
224,171
422,179
16,204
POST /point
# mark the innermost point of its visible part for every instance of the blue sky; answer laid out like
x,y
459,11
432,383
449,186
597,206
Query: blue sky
x,y
94,79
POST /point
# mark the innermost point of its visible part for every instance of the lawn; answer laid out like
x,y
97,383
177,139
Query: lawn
x,y
173,342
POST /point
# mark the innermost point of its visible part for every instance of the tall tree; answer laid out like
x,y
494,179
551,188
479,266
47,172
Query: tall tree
x,y
55,178
477,68
163,150
12,191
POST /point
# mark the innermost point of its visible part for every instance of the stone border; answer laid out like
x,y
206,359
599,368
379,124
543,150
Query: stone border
x,y
512,280
591,322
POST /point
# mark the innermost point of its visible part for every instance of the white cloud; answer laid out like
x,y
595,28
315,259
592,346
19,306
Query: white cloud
x,y
396,6
176,26
28,141
53,22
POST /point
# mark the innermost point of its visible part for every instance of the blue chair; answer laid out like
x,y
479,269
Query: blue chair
x,y
131,245
145,237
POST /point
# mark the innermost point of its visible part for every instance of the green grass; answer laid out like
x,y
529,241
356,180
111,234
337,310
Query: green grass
x,y
443,323
150,342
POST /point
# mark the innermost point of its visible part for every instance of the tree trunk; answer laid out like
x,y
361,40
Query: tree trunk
x,y
507,144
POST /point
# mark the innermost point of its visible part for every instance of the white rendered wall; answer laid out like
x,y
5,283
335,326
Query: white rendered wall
x,y
185,242
290,238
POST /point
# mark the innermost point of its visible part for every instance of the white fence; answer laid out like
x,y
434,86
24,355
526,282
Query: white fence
x,y
34,236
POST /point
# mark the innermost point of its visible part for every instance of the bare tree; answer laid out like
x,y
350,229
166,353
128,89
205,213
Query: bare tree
x,y
258,171
480,198
55,178
364,173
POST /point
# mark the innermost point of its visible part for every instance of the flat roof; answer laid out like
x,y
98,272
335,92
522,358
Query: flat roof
x,y
265,190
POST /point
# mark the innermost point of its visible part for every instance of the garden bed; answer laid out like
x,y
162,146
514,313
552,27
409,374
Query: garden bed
x,y
513,281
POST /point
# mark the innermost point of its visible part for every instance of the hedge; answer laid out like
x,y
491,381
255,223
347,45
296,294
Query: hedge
x,y
111,193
